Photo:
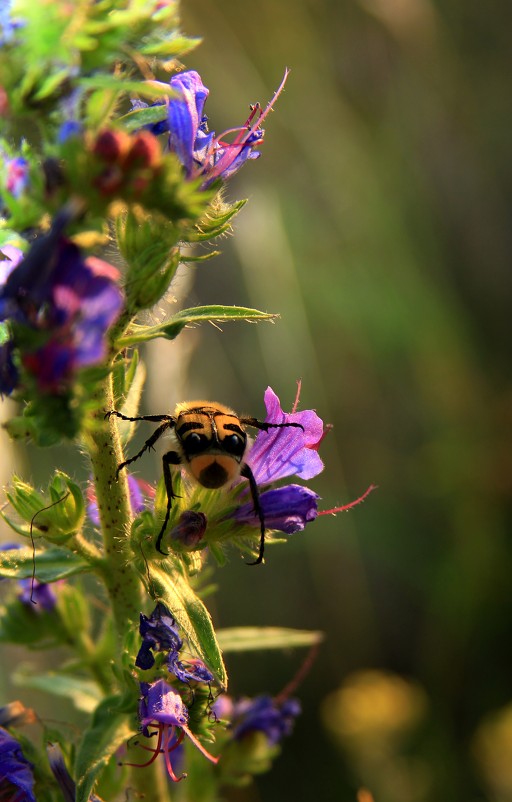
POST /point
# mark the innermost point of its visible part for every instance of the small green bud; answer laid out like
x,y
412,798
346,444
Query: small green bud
x,y
56,516
149,246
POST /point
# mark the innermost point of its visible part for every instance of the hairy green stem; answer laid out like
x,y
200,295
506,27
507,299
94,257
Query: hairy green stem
x,y
104,447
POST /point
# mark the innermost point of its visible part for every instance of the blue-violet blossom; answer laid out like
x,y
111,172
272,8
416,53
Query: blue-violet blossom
x,y
161,707
264,714
202,154
277,454
16,778
65,302
16,176
160,634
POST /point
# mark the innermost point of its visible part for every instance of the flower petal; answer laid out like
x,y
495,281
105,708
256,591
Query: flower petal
x,y
287,509
291,450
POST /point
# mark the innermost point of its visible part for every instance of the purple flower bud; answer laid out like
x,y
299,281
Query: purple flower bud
x,y
16,778
190,528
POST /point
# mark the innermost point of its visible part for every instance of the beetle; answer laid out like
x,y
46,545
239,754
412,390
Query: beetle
x,y
210,442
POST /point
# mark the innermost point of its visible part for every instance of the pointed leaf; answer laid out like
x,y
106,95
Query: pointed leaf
x,y
248,639
199,314
109,730
84,693
51,564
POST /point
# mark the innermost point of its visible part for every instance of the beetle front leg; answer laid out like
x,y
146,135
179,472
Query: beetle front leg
x,y
255,495
171,458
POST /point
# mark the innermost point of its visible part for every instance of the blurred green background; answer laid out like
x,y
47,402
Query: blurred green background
x,y
378,227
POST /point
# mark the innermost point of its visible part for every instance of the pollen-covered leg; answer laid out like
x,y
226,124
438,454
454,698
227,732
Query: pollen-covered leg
x,y
171,458
150,442
255,495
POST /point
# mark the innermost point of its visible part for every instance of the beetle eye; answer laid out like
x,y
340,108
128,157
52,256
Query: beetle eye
x,y
194,443
233,444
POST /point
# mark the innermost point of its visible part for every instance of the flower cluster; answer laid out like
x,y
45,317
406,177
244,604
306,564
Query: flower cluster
x,y
161,705
58,305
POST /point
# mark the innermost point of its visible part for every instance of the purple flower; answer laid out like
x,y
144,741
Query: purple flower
x,y
284,452
31,591
60,305
287,509
10,257
160,634
16,778
265,715
202,154
37,595
16,176
163,708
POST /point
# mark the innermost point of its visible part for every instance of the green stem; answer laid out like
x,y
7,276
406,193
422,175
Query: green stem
x,y
104,447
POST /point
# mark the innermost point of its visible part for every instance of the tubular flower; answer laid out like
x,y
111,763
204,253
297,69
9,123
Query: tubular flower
x,y
163,708
280,453
285,452
287,509
59,306
16,778
202,153
160,634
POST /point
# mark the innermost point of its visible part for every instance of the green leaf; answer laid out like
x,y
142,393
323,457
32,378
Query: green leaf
x,y
140,117
109,730
84,693
250,639
172,47
170,585
199,314
51,564
147,89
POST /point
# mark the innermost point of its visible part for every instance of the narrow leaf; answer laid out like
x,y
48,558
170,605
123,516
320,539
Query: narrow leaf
x,y
108,732
199,314
84,693
51,564
249,639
